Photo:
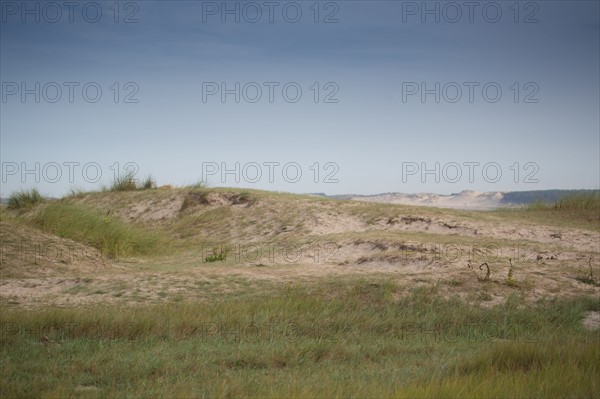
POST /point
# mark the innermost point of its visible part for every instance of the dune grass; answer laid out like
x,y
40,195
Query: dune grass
x,y
109,235
340,339
580,210
578,203
24,199
128,182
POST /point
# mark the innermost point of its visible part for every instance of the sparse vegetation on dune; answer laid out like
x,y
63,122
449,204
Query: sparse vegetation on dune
x,y
148,183
587,204
378,303
110,236
544,196
128,182
24,199
581,210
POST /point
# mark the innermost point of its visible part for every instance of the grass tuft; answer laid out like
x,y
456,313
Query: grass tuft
x,y
128,182
148,184
24,199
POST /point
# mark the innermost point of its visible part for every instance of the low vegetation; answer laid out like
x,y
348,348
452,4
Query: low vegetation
x,y
581,210
218,257
584,203
544,196
128,182
24,199
110,236
341,339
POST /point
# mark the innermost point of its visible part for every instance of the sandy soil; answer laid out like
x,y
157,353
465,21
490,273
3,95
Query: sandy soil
x,y
288,244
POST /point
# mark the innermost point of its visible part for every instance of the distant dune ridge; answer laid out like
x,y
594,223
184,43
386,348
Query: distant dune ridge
x,y
468,199
464,200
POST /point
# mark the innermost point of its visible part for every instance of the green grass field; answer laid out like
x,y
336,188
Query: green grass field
x,y
352,339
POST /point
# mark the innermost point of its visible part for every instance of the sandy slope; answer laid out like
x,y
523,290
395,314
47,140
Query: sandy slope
x,y
278,239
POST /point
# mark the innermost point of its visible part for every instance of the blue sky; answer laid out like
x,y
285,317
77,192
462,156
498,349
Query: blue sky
x,y
543,55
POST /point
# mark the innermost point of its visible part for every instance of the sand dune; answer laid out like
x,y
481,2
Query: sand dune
x,y
464,200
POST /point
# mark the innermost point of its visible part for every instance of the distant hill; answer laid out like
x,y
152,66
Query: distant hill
x,y
464,200
468,199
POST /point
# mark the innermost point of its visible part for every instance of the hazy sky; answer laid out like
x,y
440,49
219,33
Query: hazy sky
x,y
388,88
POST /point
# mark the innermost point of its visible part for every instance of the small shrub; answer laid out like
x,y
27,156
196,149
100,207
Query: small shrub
x,y
24,199
217,256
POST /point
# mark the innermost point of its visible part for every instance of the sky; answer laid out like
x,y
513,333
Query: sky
x,y
335,97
